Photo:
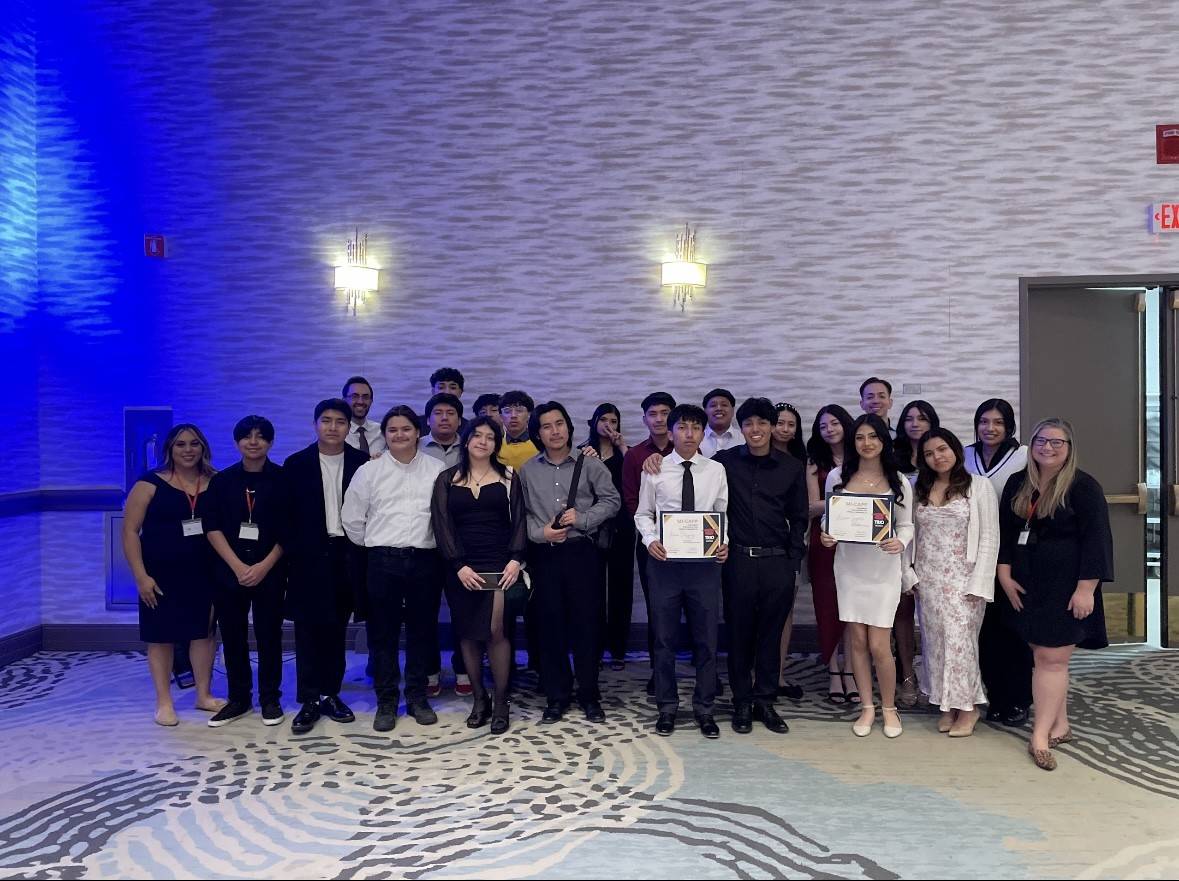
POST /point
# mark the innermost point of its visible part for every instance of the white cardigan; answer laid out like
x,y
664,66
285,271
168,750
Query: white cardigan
x,y
982,541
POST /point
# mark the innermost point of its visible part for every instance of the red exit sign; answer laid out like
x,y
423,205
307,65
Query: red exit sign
x,y
1166,141
154,246
1164,217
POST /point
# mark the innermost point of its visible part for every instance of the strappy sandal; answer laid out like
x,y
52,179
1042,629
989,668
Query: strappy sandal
x,y
853,696
836,697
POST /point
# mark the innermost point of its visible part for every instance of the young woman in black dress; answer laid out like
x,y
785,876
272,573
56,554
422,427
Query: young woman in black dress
x,y
165,544
479,524
1055,550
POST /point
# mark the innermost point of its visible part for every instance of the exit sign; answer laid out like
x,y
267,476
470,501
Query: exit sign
x,y
1166,142
1164,217
154,246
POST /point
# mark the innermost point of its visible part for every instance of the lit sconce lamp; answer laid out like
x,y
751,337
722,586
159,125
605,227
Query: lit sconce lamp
x,y
356,278
684,274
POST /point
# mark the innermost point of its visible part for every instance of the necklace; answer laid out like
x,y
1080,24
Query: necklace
x,y
478,481
872,483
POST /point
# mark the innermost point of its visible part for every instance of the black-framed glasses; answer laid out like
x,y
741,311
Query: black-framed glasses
x,y
1055,443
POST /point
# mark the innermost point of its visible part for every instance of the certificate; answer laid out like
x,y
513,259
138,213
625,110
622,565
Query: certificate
x,y
691,535
859,517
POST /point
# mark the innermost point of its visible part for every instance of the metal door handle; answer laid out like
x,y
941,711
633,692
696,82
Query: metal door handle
x,y
1137,498
1174,499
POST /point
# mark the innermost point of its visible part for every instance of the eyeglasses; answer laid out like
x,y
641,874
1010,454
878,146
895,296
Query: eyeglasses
x,y
515,409
1055,443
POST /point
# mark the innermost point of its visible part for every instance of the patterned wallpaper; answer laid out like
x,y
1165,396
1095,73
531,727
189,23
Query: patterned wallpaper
x,y
869,181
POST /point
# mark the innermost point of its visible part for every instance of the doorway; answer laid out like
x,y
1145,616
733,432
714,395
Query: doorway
x,y
1101,352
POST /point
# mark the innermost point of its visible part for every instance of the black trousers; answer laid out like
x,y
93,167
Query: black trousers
x,y
233,604
320,639
759,594
403,585
620,585
1004,659
693,588
569,599
641,560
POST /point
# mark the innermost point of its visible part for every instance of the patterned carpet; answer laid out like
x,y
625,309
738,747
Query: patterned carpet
x,y
93,789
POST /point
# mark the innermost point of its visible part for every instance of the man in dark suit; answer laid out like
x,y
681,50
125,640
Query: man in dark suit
x,y
325,567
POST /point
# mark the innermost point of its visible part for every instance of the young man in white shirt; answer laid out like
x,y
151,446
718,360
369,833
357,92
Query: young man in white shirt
x,y
363,433
387,510
687,482
722,432
876,397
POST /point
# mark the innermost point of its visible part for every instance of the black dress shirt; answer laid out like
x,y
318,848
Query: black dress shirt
x,y
767,500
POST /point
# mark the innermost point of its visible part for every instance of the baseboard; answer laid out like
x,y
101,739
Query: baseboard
x,y
20,645
125,637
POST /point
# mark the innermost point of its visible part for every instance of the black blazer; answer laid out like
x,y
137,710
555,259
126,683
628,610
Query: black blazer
x,y
305,540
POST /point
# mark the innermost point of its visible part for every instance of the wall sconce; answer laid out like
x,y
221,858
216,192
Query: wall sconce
x,y
684,274
356,278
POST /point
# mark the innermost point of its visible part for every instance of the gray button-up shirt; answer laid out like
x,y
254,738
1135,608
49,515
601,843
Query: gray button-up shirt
x,y
448,456
546,491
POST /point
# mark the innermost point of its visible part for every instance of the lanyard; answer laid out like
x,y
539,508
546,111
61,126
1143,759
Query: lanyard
x,y
1032,509
192,498
250,505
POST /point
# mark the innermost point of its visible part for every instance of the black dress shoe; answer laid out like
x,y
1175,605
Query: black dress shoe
x,y
421,711
995,713
708,727
306,718
552,713
593,711
1016,717
791,691
720,686
386,717
665,727
651,687
480,712
770,718
743,718
335,709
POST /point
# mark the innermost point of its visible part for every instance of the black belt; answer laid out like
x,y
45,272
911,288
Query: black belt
x,y
743,551
569,542
400,552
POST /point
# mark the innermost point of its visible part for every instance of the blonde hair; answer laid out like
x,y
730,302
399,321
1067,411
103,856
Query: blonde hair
x,y
205,465
1053,491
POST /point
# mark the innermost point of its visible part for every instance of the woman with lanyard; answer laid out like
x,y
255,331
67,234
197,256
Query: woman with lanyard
x,y
868,577
164,541
1055,550
243,508
1004,657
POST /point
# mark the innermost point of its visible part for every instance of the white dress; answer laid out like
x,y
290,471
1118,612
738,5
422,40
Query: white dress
x,y
867,580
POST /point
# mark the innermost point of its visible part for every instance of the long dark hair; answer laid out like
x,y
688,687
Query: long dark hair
x,y
594,437
960,480
817,449
464,464
888,462
795,447
1011,442
903,447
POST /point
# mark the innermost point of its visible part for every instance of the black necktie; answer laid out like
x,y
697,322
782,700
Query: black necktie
x,y
363,439
688,495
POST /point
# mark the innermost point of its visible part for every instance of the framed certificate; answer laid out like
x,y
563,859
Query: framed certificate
x,y
691,535
859,517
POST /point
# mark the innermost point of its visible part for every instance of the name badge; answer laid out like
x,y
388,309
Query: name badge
x,y
1024,536
248,531
193,526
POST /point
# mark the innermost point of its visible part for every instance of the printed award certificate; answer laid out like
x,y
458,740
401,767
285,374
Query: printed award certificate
x,y
691,535
859,517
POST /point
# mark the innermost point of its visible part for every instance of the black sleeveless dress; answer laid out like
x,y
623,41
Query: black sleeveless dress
x,y
181,565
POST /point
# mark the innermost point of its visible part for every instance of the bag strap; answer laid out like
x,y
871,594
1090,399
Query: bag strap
x,y
571,502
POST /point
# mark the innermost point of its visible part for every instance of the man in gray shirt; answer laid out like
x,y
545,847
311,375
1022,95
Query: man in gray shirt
x,y
570,577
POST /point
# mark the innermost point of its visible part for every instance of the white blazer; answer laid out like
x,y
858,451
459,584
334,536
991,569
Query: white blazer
x,y
982,541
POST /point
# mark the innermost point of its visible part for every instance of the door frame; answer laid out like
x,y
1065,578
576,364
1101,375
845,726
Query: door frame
x,y
1168,415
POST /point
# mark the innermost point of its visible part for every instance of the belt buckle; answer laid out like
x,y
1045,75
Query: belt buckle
x,y
753,552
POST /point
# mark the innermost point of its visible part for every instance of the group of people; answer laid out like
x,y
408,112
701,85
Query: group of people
x,y
506,515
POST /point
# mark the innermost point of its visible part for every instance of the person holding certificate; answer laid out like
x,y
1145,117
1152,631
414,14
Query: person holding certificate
x,y
680,520
955,547
1055,549
480,527
869,528
387,510
767,520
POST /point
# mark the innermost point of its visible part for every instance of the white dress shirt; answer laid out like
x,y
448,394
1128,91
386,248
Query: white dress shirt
x,y
663,492
331,469
372,433
713,443
388,502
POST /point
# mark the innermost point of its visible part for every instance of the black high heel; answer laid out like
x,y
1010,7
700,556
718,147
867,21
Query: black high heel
x,y
853,696
499,717
480,712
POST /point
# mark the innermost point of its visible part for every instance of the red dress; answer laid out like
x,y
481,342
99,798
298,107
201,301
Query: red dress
x,y
821,565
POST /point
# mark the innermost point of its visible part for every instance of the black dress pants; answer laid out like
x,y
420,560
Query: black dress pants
x,y
1004,658
569,600
402,586
641,560
620,583
759,594
692,588
233,604
320,638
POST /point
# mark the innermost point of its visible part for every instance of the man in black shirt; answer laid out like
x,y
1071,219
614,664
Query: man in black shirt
x,y
767,520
